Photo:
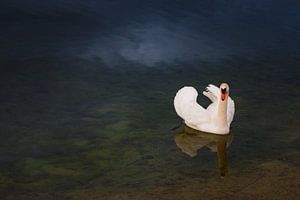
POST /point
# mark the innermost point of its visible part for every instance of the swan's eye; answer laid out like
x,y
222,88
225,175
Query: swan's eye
x,y
223,90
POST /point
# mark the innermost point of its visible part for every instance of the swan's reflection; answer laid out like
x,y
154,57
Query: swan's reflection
x,y
190,141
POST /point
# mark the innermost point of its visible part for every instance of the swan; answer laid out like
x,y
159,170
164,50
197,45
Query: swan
x,y
216,118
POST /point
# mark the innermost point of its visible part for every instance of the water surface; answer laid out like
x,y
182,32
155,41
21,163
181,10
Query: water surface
x,y
86,103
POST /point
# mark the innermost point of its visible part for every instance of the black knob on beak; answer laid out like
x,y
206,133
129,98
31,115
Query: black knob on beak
x,y
223,90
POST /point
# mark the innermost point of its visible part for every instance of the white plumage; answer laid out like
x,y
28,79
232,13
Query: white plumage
x,y
216,118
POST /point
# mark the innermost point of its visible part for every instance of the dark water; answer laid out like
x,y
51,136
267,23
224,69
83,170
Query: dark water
x,y
87,91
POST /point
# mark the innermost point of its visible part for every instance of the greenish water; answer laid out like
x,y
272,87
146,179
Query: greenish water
x,y
76,129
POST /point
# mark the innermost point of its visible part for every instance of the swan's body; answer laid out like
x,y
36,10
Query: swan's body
x,y
216,118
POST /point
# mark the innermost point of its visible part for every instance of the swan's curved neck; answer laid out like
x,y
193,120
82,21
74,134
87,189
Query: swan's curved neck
x,y
222,114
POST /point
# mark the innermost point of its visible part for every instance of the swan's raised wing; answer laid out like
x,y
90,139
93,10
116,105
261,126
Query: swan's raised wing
x,y
186,106
230,111
212,92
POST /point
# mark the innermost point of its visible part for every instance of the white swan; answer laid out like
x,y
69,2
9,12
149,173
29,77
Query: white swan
x,y
218,115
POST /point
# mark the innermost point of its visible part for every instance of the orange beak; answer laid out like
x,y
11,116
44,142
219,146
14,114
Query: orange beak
x,y
223,95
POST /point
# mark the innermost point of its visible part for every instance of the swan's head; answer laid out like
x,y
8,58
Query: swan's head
x,y
224,89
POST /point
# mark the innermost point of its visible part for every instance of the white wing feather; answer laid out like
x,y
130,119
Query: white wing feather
x,y
212,92
230,111
186,106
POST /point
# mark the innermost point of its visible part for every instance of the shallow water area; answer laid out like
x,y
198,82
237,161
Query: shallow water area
x,y
107,133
